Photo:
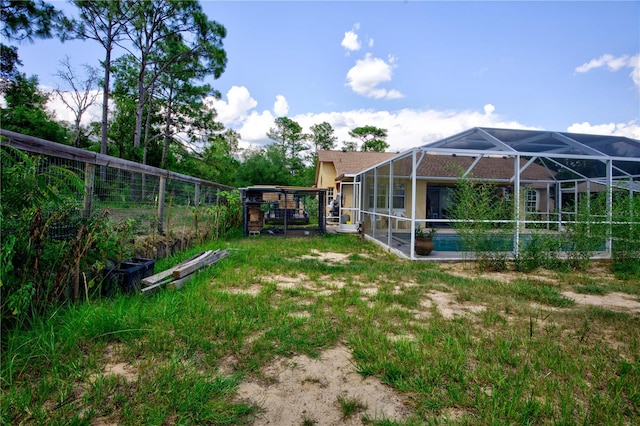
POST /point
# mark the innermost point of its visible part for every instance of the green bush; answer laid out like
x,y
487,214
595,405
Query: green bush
x,y
482,216
625,233
39,262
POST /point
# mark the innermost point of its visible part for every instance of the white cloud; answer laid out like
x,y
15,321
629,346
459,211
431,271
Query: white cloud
x,y
630,129
489,109
406,128
235,109
281,106
350,40
62,112
615,64
610,61
635,69
253,130
368,73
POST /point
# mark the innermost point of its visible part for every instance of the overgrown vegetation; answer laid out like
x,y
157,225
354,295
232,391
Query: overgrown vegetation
x,y
529,356
39,269
483,221
483,217
52,252
626,235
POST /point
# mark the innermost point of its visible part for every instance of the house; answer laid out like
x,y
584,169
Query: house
x,y
335,171
544,173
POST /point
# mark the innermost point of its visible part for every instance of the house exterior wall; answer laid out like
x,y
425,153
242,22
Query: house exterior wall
x,y
327,180
326,175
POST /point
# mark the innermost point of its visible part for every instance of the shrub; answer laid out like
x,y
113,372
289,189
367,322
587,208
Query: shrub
x,y
482,219
38,263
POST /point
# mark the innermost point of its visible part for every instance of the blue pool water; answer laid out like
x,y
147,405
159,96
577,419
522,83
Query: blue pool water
x,y
449,242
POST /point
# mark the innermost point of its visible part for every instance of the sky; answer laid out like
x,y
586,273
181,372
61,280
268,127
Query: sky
x,y
422,70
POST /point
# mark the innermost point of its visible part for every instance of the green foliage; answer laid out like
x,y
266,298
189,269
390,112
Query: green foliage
x,y
289,143
37,259
220,219
423,232
350,406
25,112
322,136
539,251
265,166
481,217
588,232
625,232
26,19
519,361
372,138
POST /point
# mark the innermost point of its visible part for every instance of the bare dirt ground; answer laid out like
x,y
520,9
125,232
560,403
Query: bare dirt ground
x,y
618,301
302,390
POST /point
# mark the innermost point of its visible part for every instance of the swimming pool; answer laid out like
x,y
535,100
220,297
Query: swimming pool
x,y
453,242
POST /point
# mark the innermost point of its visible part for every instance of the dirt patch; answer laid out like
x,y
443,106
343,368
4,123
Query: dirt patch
x,y
253,290
308,389
114,367
330,257
448,307
465,270
618,301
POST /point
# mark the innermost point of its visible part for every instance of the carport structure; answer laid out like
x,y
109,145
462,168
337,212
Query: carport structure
x,y
545,173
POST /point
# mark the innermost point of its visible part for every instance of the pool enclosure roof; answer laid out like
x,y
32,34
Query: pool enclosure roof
x,y
581,156
541,143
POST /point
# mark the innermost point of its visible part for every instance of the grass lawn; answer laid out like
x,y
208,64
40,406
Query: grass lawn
x,y
331,330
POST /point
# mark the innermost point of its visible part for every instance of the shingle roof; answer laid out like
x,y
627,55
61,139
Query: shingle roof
x,y
488,167
445,166
352,162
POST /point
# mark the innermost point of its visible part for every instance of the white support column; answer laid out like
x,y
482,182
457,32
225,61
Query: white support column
x,y
548,195
516,204
390,205
375,203
609,165
414,191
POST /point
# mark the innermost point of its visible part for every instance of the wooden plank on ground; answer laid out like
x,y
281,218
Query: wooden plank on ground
x,y
184,270
198,263
154,279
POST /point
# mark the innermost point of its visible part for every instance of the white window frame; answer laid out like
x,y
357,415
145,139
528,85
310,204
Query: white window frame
x,y
531,200
400,195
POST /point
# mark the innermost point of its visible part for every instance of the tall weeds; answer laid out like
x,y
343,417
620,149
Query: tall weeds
x,y
39,267
482,218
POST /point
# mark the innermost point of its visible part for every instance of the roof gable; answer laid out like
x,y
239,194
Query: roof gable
x,y
353,162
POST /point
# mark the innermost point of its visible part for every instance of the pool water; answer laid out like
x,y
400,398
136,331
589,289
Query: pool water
x,y
451,242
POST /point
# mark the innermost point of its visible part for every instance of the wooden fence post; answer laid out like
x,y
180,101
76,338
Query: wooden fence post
x,y
89,180
161,190
196,203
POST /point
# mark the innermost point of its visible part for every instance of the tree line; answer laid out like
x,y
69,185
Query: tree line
x,y
159,113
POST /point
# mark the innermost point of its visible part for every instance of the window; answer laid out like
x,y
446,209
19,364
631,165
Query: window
x,y
398,196
531,200
329,196
381,203
398,201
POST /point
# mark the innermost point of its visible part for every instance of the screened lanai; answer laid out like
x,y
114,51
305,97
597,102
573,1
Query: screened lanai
x,y
547,177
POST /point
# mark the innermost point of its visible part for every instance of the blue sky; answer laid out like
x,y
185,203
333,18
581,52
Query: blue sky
x,y
423,70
